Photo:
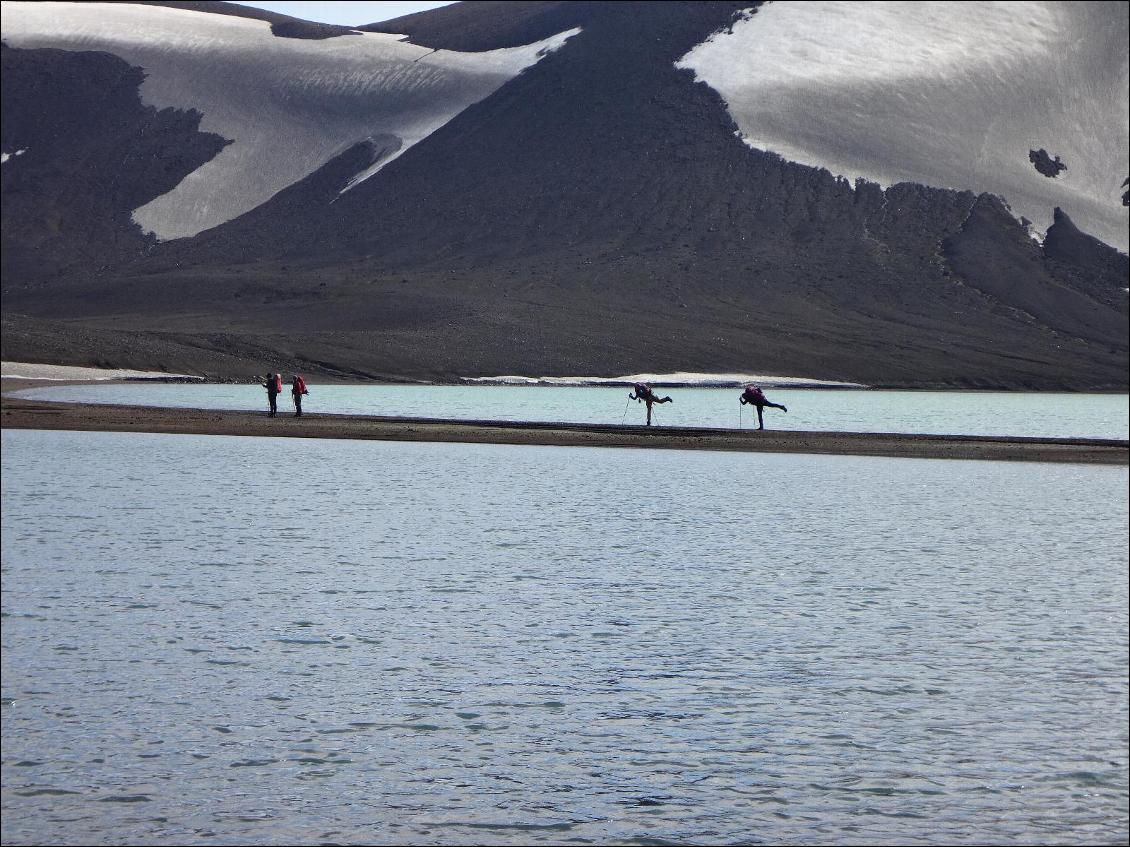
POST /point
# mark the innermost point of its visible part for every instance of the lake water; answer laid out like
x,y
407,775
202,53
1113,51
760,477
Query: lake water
x,y
274,641
936,412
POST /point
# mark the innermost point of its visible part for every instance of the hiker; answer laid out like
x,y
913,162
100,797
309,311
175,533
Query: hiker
x,y
274,388
297,389
754,396
642,393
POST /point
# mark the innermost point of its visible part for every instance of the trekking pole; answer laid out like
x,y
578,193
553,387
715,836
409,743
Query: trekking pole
x,y
624,416
739,414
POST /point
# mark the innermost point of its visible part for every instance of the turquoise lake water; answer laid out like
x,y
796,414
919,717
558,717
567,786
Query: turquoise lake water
x,y
941,413
213,640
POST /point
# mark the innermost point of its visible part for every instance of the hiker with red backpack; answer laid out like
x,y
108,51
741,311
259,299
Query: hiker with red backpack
x,y
754,396
297,389
274,388
642,393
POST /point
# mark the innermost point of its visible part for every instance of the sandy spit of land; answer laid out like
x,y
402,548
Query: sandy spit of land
x,y
17,413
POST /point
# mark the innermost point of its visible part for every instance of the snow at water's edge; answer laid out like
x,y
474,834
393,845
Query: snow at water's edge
x,y
25,370
56,373
677,379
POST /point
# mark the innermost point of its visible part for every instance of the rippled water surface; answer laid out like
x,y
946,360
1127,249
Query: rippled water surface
x,y
937,412
271,641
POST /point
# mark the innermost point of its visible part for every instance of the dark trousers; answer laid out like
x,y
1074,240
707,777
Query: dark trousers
x,y
298,405
760,408
272,401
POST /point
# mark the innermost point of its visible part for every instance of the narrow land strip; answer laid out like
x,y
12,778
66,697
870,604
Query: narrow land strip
x,y
17,413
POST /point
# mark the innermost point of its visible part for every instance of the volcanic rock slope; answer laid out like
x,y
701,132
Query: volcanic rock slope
x,y
819,189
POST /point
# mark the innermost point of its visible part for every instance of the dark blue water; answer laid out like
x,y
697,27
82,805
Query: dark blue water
x,y
273,641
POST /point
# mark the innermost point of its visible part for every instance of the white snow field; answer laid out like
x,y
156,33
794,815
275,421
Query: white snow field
x,y
69,373
290,105
952,95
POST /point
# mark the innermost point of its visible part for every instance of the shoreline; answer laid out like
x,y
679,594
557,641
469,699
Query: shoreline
x,y
10,384
18,413
71,375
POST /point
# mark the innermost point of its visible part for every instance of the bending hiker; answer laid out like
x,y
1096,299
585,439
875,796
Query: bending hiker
x,y
754,396
297,389
274,388
642,393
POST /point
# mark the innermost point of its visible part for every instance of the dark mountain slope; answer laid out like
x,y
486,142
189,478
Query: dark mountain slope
x,y
94,153
598,214
1086,263
1002,261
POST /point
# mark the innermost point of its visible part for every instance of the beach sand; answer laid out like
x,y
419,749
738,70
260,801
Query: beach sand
x,y
18,413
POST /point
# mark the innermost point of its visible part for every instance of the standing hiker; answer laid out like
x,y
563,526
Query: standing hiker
x,y
754,396
274,388
297,389
642,393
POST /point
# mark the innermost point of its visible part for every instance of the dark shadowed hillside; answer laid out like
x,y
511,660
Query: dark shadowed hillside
x,y
94,153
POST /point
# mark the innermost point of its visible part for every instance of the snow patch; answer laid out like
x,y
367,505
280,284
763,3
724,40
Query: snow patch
x,y
4,157
28,370
290,105
952,95
676,379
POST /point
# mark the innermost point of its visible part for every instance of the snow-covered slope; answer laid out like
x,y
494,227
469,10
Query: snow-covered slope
x,y
594,214
288,105
953,95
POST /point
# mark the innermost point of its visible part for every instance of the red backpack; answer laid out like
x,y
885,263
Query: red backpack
x,y
301,386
